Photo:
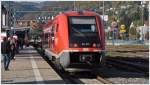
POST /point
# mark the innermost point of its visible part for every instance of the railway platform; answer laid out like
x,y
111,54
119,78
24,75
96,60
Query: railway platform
x,y
29,68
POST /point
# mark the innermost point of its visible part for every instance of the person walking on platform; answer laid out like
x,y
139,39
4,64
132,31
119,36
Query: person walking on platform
x,y
13,51
21,43
5,49
12,47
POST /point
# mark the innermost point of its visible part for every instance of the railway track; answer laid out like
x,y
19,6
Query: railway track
x,y
131,66
88,78
130,59
104,81
127,48
70,79
132,51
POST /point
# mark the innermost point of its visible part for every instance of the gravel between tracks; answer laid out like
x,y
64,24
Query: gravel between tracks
x,y
91,81
123,77
120,80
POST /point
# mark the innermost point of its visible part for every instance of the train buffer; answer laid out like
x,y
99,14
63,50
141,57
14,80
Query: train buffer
x,y
29,68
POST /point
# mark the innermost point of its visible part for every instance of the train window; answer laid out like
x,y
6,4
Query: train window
x,y
93,28
83,24
52,31
83,29
56,27
82,20
46,45
52,35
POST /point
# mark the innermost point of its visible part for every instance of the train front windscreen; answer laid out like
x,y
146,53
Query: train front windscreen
x,y
83,32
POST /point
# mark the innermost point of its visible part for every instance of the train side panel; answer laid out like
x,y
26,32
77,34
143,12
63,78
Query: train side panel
x,y
62,42
101,32
62,33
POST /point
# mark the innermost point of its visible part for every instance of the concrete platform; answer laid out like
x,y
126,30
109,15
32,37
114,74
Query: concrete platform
x,y
29,68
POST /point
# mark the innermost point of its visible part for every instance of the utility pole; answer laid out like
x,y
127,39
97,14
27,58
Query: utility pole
x,y
103,9
9,16
74,5
103,12
14,18
99,6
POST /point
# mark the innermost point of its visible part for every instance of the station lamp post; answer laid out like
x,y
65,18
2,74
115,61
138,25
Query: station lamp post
x,y
143,6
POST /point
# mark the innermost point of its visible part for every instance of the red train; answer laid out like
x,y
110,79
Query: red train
x,y
75,40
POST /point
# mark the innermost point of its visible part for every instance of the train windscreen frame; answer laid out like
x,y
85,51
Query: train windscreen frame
x,y
83,31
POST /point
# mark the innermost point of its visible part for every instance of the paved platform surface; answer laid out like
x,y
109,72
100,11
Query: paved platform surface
x,y
29,68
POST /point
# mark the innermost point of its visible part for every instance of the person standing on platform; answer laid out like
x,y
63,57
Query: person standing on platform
x,y
5,49
21,43
122,32
114,28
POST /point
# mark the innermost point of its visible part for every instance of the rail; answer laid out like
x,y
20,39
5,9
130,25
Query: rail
x,y
101,79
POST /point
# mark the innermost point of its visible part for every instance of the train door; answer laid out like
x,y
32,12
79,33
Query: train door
x,y
46,40
52,38
56,37
42,40
53,35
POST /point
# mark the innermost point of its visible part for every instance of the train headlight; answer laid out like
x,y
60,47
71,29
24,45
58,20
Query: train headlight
x,y
85,58
94,45
75,45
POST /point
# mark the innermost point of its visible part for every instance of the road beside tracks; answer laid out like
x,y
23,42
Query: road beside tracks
x,y
29,68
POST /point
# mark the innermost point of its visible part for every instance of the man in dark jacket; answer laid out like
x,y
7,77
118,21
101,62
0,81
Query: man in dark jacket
x,y
5,48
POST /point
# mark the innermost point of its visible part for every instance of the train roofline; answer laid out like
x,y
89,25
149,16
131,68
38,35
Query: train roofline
x,y
71,13
68,13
